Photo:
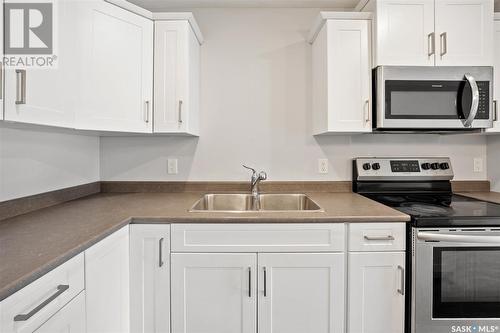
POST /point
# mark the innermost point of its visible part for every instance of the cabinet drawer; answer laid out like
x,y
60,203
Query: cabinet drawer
x,y
377,237
48,294
258,237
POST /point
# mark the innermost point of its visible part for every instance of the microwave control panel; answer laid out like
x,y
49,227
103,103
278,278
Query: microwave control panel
x,y
483,111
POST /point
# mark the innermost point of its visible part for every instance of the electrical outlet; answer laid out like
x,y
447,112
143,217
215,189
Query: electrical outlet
x,y
323,165
172,166
478,164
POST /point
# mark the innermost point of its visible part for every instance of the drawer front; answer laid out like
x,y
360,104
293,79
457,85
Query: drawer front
x,y
33,305
258,237
377,237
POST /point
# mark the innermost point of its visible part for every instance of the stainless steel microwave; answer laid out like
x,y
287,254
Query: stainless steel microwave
x,y
433,98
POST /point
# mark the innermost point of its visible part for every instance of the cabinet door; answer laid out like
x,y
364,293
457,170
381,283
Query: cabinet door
x,y
349,76
376,292
404,32
496,80
177,57
301,293
70,319
50,93
2,82
107,284
150,278
214,293
464,32
118,78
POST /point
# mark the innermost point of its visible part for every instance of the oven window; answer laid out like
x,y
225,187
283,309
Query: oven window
x,y
422,99
466,282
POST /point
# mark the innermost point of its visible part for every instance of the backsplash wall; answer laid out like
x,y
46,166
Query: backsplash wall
x,y
40,160
494,162
255,109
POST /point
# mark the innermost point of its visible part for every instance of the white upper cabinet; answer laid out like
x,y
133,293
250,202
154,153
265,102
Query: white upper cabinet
x,y
176,78
150,278
301,292
403,32
432,33
464,33
341,84
214,293
47,95
117,78
496,79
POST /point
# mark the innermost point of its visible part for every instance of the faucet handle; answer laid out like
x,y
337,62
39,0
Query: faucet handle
x,y
262,175
249,168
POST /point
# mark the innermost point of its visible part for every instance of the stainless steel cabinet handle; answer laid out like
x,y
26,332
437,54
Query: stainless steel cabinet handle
x,y
146,112
368,112
249,281
402,289
431,44
180,112
444,43
160,252
60,289
265,282
379,238
20,86
495,110
475,100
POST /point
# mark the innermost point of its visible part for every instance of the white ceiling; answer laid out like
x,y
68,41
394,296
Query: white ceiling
x,y
165,5
168,5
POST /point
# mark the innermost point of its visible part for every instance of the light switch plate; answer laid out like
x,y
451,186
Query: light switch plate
x,y
478,164
172,166
323,165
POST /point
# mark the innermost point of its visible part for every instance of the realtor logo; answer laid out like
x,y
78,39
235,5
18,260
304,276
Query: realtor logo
x,y
28,28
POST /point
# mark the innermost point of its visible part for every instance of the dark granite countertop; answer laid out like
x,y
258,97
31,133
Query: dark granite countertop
x,y
33,244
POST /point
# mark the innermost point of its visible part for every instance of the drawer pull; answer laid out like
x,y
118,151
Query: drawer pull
x,y
60,289
379,238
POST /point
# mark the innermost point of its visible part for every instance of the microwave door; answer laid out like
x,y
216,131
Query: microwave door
x,y
468,100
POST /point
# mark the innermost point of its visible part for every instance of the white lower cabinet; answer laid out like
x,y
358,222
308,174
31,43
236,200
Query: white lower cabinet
x,y
150,278
214,293
70,319
301,292
107,284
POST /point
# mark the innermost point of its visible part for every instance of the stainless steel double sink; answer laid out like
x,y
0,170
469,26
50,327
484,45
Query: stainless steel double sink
x,y
244,203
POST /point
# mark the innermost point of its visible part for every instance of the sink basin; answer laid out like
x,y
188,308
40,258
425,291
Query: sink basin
x,y
244,203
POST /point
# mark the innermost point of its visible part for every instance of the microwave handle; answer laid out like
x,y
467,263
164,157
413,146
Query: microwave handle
x,y
475,100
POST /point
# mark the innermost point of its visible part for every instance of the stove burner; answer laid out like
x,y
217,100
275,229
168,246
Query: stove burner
x,y
423,209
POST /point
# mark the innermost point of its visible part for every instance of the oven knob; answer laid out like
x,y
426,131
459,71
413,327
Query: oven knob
x,y
435,166
367,166
426,166
444,166
376,166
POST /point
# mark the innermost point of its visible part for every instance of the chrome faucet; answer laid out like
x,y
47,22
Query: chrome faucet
x,y
254,185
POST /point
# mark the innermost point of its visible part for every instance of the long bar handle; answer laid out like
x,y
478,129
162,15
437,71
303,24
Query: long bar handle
x,y
60,289
475,100
379,238
180,111
160,252
1,79
431,44
444,43
485,238
249,281
368,111
402,272
20,86
495,110
146,112
265,281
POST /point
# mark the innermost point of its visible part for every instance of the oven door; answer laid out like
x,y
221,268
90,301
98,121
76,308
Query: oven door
x,y
440,99
456,281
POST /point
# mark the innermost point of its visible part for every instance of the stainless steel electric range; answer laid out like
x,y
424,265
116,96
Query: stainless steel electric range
x,y
453,244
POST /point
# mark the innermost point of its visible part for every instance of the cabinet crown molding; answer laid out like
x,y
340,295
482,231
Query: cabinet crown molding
x,y
181,16
323,16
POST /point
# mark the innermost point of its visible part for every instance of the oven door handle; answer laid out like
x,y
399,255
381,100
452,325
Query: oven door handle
x,y
475,101
459,238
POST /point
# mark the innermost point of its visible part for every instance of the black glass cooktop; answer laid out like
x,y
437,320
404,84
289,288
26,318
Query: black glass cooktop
x,y
443,210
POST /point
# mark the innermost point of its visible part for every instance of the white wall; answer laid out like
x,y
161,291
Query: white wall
x,y
40,160
256,79
494,162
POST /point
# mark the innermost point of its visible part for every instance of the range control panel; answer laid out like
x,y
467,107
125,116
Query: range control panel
x,y
403,168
